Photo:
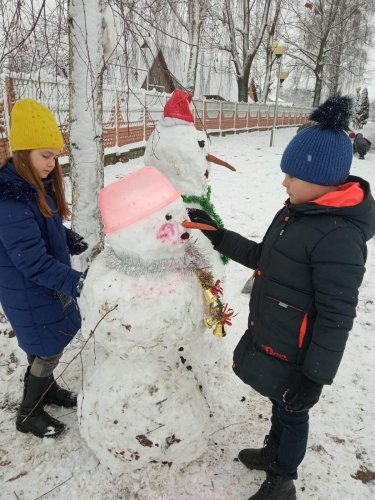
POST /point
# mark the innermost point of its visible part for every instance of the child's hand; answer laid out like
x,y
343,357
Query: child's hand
x,y
302,395
78,247
75,242
200,216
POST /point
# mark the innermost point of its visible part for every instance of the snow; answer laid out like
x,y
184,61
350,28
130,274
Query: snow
x,y
148,286
339,463
176,140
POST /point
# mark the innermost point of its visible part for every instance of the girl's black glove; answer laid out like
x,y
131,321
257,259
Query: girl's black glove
x,y
302,395
78,247
202,217
75,242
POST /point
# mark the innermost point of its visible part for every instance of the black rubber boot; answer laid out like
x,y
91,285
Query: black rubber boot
x,y
31,417
56,395
275,487
259,458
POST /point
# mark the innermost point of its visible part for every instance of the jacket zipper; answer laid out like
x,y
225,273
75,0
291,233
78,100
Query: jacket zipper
x,y
286,220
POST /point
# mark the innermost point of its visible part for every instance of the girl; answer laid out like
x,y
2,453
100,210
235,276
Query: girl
x,y
38,287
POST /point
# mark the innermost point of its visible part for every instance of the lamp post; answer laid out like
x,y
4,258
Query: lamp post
x,y
278,49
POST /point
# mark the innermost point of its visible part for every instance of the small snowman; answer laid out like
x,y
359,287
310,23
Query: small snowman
x,y
142,399
180,152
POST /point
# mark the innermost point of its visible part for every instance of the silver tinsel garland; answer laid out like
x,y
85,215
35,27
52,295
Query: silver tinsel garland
x,y
136,266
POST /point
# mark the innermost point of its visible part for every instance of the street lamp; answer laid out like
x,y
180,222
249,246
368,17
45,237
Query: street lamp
x,y
278,49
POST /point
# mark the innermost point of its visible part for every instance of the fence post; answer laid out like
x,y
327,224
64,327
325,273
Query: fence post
x,y
235,117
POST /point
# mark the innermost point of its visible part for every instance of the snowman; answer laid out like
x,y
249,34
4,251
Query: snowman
x,y
180,152
144,395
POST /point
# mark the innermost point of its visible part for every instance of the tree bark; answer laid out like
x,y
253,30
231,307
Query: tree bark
x,y
195,26
317,89
86,121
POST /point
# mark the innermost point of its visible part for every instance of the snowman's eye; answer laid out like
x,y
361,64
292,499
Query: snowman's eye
x,y
168,217
201,144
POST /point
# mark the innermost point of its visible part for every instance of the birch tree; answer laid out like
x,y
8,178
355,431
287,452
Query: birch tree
x,y
318,35
191,19
271,36
26,33
244,25
86,121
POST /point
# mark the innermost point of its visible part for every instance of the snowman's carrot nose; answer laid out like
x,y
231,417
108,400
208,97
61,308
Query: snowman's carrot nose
x,y
197,225
215,159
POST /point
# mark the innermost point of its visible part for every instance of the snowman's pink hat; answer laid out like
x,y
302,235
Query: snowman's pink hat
x,y
135,197
178,106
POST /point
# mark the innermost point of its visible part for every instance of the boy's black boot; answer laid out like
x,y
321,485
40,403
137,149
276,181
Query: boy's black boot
x,y
259,458
275,487
31,417
56,395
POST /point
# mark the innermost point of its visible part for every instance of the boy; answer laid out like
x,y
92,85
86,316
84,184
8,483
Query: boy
x,y
308,269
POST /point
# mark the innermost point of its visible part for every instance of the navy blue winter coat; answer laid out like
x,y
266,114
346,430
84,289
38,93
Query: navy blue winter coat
x,y
309,267
37,283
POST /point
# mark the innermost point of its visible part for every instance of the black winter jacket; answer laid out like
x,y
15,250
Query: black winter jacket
x,y
361,145
309,267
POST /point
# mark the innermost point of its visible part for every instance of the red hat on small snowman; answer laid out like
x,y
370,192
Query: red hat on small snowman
x,y
178,106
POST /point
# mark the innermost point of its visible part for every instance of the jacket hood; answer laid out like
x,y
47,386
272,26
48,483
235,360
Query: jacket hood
x,y
361,215
13,187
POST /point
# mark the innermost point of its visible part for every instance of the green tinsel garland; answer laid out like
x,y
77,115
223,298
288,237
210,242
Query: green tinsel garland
x,y
207,205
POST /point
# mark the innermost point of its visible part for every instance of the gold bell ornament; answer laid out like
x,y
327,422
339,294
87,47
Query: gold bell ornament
x,y
218,314
219,330
208,295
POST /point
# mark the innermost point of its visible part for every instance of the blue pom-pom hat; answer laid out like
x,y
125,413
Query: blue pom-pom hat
x,y
322,154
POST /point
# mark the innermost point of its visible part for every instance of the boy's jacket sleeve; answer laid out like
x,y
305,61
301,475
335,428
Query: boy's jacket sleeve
x,y
21,237
240,249
338,262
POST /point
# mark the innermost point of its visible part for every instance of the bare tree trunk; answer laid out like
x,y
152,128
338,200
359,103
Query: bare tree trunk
x,y
192,23
269,58
195,26
86,121
243,56
267,78
243,88
318,88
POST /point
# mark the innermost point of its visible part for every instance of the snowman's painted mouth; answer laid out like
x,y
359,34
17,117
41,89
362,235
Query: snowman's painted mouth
x,y
169,234
185,236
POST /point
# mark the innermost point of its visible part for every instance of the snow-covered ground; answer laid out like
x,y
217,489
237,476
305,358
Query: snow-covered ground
x,y
340,463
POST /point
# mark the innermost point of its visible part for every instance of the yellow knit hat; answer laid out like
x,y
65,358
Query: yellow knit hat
x,y
33,126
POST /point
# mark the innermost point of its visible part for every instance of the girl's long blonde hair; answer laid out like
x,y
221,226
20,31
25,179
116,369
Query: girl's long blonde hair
x,y
24,168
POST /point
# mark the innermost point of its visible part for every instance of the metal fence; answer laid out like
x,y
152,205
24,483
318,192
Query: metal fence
x,y
129,116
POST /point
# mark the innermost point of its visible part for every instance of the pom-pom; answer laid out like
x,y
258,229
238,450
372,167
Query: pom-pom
x,y
334,113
